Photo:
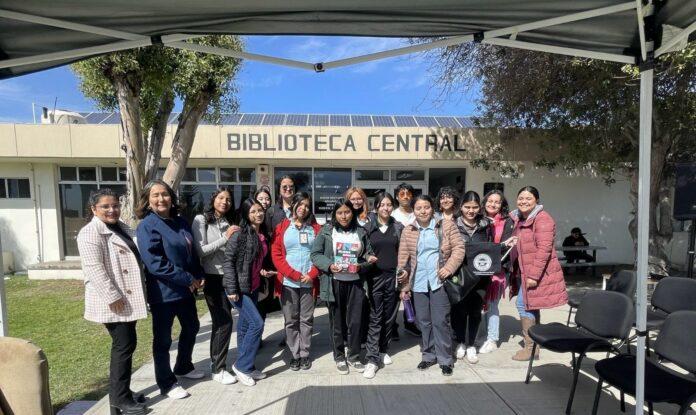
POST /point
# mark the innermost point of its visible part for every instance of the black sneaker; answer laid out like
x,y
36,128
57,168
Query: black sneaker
x,y
358,366
411,329
424,365
395,335
294,364
446,370
305,363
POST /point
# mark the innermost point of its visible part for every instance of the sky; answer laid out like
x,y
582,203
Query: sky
x,y
396,86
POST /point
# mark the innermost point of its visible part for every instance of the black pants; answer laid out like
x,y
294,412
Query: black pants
x,y
345,317
382,303
162,320
123,343
221,315
466,318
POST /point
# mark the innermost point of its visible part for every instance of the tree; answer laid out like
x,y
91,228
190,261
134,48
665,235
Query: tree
x,y
143,84
585,114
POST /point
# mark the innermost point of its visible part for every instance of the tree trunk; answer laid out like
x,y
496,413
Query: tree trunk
x,y
660,215
129,106
190,117
154,144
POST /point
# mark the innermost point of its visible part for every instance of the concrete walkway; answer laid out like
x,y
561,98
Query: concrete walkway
x,y
493,386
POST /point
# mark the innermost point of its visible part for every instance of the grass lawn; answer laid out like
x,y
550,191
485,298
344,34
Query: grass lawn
x,y
49,313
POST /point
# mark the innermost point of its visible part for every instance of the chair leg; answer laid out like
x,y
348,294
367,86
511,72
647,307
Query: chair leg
x,y
576,371
573,362
623,401
650,408
598,394
570,313
647,344
531,361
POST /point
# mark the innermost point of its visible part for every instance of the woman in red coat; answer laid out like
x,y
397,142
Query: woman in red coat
x,y
297,282
539,281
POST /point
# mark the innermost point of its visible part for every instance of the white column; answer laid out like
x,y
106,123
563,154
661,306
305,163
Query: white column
x,y
645,142
3,300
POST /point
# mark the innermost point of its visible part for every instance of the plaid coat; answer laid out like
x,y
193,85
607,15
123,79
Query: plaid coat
x,y
111,271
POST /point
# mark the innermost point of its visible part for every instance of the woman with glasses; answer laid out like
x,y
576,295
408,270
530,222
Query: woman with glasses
x,y
114,292
281,210
446,203
358,198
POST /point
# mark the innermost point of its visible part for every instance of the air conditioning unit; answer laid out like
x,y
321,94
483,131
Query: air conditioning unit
x,y
61,117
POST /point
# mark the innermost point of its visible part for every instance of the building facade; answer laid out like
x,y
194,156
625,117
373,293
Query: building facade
x,y
47,172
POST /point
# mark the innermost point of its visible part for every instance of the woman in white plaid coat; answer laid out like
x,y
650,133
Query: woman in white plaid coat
x,y
114,292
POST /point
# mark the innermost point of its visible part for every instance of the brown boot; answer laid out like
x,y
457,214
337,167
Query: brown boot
x,y
526,353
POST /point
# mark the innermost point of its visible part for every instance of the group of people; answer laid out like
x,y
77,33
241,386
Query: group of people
x,y
362,263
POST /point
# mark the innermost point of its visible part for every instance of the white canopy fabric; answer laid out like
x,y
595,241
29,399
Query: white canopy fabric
x,y
37,35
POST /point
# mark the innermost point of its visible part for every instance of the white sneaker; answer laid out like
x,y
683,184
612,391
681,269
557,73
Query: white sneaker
x,y
224,377
471,355
461,351
386,359
244,378
258,375
489,346
177,392
370,371
194,374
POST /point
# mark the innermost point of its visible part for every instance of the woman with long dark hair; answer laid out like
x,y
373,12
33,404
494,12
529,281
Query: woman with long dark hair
x,y
173,273
114,292
297,282
243,270
538,277
263,196
446,203
340,251
211,231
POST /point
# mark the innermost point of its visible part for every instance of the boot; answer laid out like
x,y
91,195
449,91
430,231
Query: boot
x,y
526,353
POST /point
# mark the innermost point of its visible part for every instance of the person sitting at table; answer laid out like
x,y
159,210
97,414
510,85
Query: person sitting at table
x,y
576,238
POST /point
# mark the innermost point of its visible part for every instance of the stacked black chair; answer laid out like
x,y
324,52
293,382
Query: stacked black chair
x,y
676,343
603,323
623,282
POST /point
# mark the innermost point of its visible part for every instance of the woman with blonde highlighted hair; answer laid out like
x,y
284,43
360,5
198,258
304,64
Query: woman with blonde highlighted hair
x,y
358,198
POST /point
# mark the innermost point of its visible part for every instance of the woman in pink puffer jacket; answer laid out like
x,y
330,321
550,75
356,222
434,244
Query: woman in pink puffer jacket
x,y
539,281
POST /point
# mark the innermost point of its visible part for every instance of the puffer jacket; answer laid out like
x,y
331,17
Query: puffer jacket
x,y
238,264
536,259
451,249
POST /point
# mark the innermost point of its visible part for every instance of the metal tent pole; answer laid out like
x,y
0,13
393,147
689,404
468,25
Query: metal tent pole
x,y
646,99
3,300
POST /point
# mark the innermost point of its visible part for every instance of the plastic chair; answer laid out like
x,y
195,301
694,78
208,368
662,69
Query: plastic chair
x,y
603,318
675,343
623,282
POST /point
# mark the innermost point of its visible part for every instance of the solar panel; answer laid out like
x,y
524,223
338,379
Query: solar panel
x,y
426,122
466,122
361,120
405,121
296,119
251,119
230,119
113,118
339,120
449,122
96,117
318,120
382,120
273,119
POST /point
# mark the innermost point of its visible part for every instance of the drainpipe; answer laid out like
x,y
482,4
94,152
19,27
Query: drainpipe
x,y
37,215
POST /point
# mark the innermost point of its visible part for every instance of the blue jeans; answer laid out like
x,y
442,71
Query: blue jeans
x,y
521,307
493,320
249,330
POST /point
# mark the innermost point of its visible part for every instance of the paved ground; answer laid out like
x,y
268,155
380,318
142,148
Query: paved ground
x,y
493,386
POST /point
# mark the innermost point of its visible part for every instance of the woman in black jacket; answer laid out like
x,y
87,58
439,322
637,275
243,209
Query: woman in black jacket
x,y
243,270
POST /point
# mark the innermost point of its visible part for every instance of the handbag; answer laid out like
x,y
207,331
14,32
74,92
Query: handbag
x,y
460,284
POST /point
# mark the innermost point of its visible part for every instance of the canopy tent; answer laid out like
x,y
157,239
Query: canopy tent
x,y
37,35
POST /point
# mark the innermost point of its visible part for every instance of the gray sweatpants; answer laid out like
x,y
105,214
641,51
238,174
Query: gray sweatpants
x,y
433,318
298,310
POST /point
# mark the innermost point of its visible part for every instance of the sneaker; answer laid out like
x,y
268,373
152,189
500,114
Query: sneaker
x,y
489,346
395,335
424,365
370,371
294,365
461,351
305,363
359,367
258,375
411,329
224,377
194,374
446,370
342,367
243,377
386,359
177,392
471,355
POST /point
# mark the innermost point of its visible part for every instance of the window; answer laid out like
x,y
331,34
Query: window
x,y
324,185
452,177
373,175
14,188
199,184
408,175
488,186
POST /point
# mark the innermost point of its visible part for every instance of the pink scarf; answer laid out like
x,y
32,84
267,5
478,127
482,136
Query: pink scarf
x,y
496,289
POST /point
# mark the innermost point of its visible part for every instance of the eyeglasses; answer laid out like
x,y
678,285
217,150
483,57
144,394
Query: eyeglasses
x,y
287,187
107,207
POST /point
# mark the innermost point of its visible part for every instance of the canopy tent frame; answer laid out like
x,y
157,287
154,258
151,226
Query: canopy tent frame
x,y
645,60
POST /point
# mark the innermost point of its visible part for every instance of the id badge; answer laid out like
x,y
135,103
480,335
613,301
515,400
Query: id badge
x,y
304,238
